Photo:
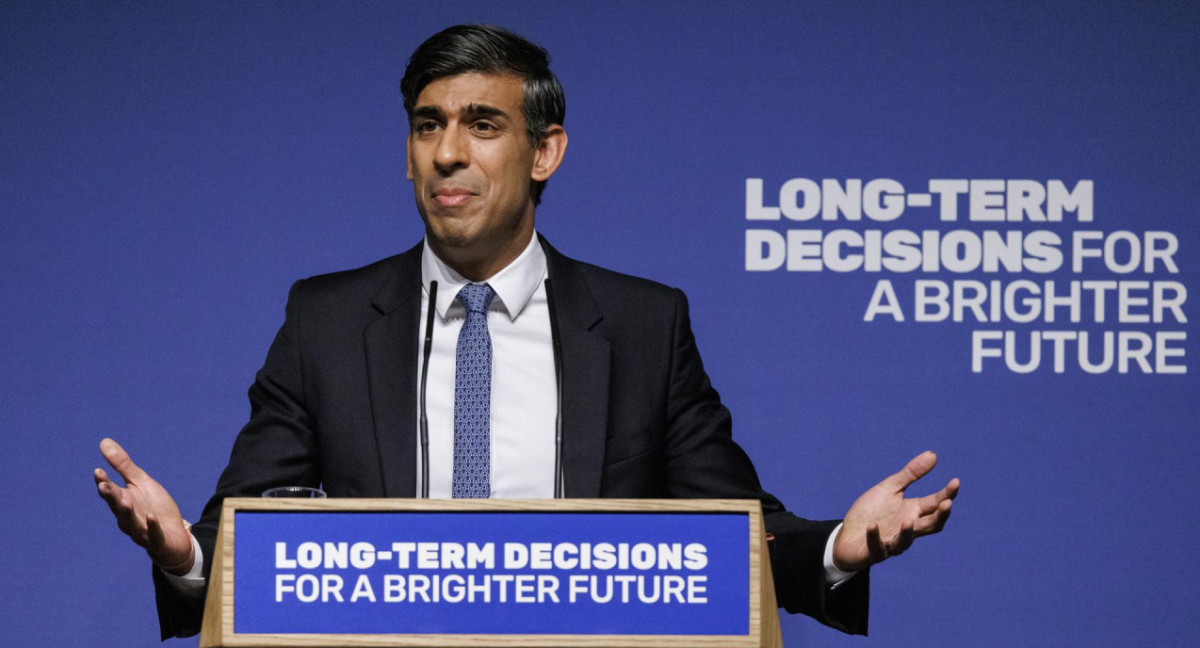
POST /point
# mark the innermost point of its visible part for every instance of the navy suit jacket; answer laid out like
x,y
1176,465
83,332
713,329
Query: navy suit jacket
x,y
335,405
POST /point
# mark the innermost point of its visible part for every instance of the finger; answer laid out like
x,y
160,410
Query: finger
x,y
112,494
156,538
952,488
875,545
118,502
931,502
916,468
903,539
943,514
128,520
120,461
99,476
934,522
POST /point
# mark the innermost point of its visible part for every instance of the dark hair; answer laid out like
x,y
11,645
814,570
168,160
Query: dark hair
x,y
490,50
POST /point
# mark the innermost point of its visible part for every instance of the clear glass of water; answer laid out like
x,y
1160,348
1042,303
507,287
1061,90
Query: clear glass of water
x,y
305,492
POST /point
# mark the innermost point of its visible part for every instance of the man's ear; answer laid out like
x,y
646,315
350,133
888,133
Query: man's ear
x,y
408,157
548,154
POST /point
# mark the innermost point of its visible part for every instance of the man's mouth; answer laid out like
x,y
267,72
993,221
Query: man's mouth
x,y
451,197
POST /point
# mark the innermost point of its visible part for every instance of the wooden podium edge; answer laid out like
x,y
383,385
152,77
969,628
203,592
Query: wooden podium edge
x,y
763,632
217,626
769,633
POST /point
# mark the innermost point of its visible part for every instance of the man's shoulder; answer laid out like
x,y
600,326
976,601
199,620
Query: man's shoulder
x,y
604,282
383,283
368,278
593,293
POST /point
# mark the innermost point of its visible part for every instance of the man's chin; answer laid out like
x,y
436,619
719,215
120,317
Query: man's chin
x,y
455,240
456,244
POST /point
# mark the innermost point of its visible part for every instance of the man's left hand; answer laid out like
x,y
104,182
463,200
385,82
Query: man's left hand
x,y
883,523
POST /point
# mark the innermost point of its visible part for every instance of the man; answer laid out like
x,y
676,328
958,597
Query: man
x,y
337,403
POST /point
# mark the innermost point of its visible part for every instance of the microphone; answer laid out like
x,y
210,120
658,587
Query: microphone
x,y
558,387
424,432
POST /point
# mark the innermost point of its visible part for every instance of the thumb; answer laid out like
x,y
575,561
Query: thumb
x,y
916,468
116,457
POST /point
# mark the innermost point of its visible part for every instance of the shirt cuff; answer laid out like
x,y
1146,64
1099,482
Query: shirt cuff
x,y
833,576
192,583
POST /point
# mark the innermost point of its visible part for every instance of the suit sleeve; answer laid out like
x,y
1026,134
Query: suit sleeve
x,y
277,446
704,461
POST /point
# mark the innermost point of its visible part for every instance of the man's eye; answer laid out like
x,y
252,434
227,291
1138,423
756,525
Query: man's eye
x,y
426,127
484,127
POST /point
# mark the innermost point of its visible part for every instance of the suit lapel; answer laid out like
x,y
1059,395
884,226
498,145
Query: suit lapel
x,y
392,361
585,359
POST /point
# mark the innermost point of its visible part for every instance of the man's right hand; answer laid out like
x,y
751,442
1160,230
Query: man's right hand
x,y
145,511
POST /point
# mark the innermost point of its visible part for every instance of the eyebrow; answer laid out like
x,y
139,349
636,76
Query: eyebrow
x,y
484,110
428,112
472,110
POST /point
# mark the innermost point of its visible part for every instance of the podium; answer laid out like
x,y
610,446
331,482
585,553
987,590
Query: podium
x,y
497,573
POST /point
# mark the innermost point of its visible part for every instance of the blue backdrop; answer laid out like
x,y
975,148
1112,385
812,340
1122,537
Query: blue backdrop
x,y
170,168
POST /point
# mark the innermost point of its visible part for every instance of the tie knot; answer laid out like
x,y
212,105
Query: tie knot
x,y
476,297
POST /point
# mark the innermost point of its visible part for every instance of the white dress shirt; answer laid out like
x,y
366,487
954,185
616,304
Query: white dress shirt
x,y
524,393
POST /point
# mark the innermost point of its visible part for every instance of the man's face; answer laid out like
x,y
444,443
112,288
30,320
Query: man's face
x,y
472,168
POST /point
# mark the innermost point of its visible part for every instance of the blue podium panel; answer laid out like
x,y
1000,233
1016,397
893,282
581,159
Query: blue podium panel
x,y
409,572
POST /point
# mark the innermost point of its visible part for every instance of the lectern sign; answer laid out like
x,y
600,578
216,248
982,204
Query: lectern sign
x,y
564,573
487,572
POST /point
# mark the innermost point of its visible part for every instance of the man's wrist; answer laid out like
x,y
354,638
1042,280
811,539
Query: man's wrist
x,y
184,567
192,583
833,575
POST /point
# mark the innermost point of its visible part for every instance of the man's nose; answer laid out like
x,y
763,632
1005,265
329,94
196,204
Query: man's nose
x,y
453,150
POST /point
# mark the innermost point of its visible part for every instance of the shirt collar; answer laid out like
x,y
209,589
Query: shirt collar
x,y
515,284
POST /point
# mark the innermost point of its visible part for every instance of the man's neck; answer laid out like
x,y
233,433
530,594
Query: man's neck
x,y
479,266
515,284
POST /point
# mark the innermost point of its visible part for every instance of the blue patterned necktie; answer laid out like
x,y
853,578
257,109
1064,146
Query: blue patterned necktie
x,y
473,396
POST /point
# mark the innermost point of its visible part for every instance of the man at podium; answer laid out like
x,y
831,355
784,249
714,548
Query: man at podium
x,y
484,363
